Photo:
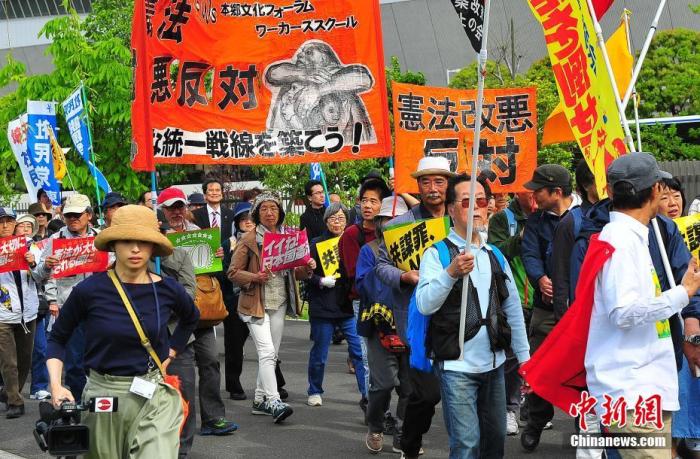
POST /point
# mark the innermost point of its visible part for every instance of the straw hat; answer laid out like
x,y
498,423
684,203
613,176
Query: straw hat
x,y
134,223
31,219
433,165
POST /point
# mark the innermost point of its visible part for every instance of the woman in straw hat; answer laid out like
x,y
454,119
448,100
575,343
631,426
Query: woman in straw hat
x,y
149,414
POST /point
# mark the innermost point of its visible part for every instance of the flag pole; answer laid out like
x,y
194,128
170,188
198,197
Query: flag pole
x,y
608,67
92,150
626,17
483,55
154,203
643,53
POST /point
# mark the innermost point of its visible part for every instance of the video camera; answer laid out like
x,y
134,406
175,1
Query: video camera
x,y
59,430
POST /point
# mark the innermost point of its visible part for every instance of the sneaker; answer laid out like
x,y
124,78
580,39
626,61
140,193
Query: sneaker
x,y
390,425
40,395
548,426
374,442
314,400
511,424
260,407
396,447
14,411
420,453
279,410
284,395
218,427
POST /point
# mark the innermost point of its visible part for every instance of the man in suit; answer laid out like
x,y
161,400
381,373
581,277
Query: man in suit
x,y
213,215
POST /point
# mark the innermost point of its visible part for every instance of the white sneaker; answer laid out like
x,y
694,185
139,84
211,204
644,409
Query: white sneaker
x,y
314,400
548,426
511,423
40,395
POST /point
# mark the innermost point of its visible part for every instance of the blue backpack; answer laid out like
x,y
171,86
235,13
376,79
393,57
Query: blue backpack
x,y
418,323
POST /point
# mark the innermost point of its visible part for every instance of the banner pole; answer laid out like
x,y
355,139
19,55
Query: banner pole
x,y
626,18
483,55
92,150
643,53
154,203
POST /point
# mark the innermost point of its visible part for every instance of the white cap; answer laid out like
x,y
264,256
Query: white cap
x,y
387,209
76,204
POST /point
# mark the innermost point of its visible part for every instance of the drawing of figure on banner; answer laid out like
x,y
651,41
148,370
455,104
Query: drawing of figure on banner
x,y
314,90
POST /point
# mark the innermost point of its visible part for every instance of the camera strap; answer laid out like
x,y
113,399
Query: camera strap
x,y
145,342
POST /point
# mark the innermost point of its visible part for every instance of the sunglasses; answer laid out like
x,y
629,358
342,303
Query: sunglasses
x,y
71,216
480,202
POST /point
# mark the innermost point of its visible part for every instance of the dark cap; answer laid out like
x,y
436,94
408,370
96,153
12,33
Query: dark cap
x,y
7,212
197,199
241,208
38,209
112,199
552,175
638,169
373,174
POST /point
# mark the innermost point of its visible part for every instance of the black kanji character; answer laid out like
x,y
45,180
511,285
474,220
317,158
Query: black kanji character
x,y
192,83
332,134
311,137
514,113
160,88
242,144
234,81
169,144
150,11
176,15
411,112
693,235
510,149
486,115
291,143
328,258
406,244
444,112
395,252
217,143
246,10
486,153
265,143
420,235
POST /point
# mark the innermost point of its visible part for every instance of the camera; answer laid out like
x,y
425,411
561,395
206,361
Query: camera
x,y
59,430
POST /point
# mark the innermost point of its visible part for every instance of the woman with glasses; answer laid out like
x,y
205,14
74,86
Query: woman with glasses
x,y
330,305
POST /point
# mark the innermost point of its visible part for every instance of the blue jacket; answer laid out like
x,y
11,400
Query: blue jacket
x,y
369,286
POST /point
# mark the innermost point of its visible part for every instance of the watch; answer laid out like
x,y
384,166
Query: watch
x,y
692,339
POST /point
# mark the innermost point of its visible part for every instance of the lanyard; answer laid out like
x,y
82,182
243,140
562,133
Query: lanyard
x,y
155,296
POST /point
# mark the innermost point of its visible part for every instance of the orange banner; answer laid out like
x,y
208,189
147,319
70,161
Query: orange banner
x,y
432,121
279,81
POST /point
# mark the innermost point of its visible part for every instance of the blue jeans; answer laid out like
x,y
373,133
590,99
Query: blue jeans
x,y
322,334
40,374
474,408
363,346
75,368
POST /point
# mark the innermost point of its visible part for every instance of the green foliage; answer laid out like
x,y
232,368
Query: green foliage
x,y
394,73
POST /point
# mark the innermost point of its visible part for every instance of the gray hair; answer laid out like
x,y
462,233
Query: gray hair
x,y
333,209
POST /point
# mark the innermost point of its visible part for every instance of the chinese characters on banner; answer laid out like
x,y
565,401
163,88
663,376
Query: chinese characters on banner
x,y
329,255
407,242
647,411
201,246
690,229
471,15
432,121
584,87
285,251
17,136
41,123
281,81
77,256
12,251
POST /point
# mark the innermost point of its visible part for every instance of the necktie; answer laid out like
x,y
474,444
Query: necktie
x,y
214,219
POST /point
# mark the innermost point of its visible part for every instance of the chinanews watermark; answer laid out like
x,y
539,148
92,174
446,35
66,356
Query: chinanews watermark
x,y
618,441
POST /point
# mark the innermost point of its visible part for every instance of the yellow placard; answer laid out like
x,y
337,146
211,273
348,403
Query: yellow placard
x,y
329,256
406,243
690,229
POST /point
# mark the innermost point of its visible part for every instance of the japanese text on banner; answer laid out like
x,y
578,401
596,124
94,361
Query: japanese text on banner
x,y
12,251
432,121
201,246
583,83
285,251
406,243
77,256
17,136
41,123
690,229
329,255
292,81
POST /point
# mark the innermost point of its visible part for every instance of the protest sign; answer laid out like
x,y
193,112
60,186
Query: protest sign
x,y
41,124
432,121
690,229
17,136
329,255
77,256
285,251
281,81
12,251
201,246
584,86
407,242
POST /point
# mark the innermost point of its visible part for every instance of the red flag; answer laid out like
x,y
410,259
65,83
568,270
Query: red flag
x,y
601,7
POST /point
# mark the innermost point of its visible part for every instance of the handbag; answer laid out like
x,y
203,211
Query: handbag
x,y
210,301
170,380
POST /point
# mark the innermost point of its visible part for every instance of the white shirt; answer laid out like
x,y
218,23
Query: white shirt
x,y
210,212
625,355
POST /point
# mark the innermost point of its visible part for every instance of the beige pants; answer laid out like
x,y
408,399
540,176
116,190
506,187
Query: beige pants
x,y
630,428
140,428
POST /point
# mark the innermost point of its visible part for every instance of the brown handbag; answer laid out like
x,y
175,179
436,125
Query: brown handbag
x,y
210,301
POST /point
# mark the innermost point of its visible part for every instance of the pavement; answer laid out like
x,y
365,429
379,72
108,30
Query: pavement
x,y
332,430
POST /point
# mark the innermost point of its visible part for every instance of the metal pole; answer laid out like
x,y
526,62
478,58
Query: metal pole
x,y
626,18
92,150
483,55
154,203
643,53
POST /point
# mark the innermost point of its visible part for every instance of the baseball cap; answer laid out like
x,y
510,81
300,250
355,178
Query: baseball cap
x,y
552,175
387,209
638,169
197,199
76,204
170,196
112,199
7,212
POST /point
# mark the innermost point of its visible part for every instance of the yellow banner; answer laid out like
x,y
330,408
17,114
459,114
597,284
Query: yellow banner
x,y
406,243
329,256
584,87
690,229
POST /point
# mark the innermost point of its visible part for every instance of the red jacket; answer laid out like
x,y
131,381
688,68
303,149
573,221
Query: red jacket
x,y
556,371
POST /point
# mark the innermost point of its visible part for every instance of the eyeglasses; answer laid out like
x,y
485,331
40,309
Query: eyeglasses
x,y
316,193
480,202
338,219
